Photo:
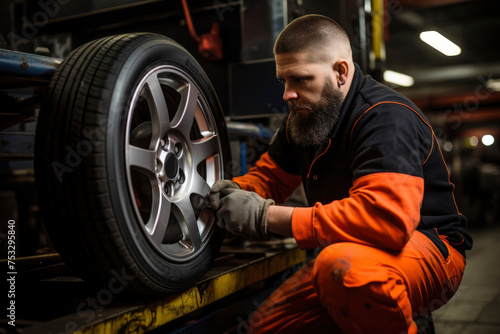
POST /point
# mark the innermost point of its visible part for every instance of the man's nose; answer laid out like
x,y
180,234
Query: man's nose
x,y
289,94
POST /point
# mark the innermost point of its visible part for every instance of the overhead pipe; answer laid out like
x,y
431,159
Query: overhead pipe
x,y
189,21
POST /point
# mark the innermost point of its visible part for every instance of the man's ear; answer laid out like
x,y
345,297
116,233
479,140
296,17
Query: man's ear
x,y
341,67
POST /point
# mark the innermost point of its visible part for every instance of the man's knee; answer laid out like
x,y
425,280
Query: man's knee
x,y
332,263
356,287
350,265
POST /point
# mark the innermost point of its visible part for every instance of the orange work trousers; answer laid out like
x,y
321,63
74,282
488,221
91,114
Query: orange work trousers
x,y
352,288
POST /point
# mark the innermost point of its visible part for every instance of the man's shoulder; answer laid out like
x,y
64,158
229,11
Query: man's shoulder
x,y
374,92
378,107
375,96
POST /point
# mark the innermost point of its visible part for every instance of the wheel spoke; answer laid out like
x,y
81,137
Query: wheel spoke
x,y
159,107
188,217
142,158
202,149
160,219
184,116
200,186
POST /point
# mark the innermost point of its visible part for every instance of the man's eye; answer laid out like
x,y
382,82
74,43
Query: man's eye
x,y
281,81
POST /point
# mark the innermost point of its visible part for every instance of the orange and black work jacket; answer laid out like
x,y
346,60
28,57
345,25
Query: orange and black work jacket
x,y
378,177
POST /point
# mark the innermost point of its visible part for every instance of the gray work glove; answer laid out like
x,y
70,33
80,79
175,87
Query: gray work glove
x,y
243,213
215,195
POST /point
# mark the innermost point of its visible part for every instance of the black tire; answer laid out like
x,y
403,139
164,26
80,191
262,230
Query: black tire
x,y
129,140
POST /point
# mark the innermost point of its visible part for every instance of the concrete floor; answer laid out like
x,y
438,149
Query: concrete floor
x,y
475,308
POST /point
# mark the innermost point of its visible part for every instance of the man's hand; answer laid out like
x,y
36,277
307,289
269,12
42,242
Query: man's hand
x,y
215,195
242,212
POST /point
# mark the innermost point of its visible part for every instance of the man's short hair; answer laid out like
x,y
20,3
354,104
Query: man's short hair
x,y
309,32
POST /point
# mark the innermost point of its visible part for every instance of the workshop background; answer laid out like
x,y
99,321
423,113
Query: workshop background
x,y
460,95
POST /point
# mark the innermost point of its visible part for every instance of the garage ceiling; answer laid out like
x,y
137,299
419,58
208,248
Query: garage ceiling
x,y
472,24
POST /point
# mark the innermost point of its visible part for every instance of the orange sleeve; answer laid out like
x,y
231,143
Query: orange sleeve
x,y
269,180
382,210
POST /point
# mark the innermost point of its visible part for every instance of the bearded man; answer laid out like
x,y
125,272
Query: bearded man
x,y
382,208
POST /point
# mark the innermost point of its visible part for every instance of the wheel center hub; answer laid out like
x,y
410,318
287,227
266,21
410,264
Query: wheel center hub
x,y
171,165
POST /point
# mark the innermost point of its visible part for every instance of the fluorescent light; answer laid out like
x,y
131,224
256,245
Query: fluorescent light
x,y
493,84
440,43
488,140
398,78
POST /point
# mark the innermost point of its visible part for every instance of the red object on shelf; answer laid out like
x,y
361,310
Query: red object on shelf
x,y
209,45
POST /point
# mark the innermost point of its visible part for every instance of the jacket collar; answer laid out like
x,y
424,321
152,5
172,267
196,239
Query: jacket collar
x,y
357,83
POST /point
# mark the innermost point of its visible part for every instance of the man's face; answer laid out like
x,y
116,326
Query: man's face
x,y
312,98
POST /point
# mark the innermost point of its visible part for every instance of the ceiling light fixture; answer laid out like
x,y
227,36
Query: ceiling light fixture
x,y
440,43
398,78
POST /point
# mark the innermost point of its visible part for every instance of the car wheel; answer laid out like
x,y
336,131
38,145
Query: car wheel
x,y
130,138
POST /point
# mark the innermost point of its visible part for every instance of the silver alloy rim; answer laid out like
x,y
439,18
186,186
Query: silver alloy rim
x,y
178,159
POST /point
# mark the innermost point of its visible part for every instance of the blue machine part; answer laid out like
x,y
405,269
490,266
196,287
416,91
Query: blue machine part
x,y
21,64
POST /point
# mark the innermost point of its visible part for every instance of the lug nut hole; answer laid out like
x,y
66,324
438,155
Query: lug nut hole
x,y
182,177
178,149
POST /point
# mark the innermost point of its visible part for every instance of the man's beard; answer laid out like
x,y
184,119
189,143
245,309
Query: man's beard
x,y
313,127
